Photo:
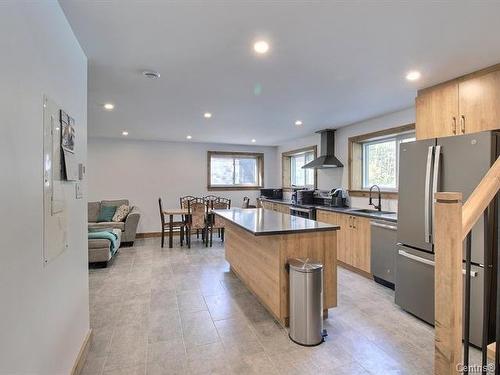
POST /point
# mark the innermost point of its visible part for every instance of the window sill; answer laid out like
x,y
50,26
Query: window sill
x,y
229,188
366,193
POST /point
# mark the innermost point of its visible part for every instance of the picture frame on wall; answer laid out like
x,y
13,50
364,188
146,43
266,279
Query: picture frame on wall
x,y
67,132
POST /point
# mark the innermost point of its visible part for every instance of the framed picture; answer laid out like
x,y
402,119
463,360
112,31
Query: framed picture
x,y
67,132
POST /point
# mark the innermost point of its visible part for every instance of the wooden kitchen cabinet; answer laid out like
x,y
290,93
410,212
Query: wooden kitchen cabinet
x,y
360,243
479,103
278,207
437,111
343,253
266,205
283,208
465,105
353,246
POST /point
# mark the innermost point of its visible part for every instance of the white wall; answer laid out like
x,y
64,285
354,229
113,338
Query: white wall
x,y
142,171
329,178
44,310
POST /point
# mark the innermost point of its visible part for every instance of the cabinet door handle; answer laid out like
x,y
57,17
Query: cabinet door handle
x,y
350,221
353,222
462,124
454,125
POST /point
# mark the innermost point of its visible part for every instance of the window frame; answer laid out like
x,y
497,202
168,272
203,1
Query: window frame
x,y
259,156
286,161
356,158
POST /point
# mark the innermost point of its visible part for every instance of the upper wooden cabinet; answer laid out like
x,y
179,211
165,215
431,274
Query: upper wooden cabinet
x,y
437,111
467,104
479,103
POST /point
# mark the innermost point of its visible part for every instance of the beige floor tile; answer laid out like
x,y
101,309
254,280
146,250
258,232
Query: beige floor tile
x,y
180,311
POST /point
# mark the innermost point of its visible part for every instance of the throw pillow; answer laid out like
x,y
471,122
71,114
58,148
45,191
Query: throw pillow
x,y
121,213
106,214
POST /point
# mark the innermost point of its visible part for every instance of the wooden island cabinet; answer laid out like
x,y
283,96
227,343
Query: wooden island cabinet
x,y
258,244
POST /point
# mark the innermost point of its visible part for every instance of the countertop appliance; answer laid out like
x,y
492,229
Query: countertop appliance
x,y
383,251
305,196
444,164
271,193
339,198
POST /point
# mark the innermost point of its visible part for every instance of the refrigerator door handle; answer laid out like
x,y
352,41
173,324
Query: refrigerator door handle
x,y
416,258
435,183
427,216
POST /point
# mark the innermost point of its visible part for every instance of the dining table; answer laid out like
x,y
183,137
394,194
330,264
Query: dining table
x,y
171,212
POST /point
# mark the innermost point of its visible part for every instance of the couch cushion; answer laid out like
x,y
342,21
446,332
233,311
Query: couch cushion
x,y
106,214
98,243
93,211
121,213
105,225
115,203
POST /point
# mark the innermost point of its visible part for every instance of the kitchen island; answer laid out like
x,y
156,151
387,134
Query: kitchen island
x,y
258,244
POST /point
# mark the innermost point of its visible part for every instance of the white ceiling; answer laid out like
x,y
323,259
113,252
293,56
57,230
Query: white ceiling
x,y
331,63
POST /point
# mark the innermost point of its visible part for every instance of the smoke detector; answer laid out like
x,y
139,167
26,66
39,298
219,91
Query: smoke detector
x,y
151,74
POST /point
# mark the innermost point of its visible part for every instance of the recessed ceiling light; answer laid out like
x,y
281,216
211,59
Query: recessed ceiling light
x,y
109,106
261,47
207,115
253,141
413,75
188,137
298,123
125,133
151,74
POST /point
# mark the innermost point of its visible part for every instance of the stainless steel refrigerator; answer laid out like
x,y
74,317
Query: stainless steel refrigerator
x,y
454,164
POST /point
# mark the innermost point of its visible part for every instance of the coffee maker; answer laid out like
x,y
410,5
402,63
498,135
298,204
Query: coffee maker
x,y
339,197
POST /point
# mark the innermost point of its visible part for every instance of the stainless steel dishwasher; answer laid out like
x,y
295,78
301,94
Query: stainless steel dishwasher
x,y
384,251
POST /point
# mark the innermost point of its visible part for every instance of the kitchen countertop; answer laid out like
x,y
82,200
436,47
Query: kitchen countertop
x,y
392,217
261,222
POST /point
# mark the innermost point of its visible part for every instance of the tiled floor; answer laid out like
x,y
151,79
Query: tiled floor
x,y
180,311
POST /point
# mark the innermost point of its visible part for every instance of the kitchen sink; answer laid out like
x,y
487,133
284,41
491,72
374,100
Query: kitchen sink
x,y
371,212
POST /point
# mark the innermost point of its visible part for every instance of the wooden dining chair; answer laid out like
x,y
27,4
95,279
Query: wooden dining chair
x,y
166,225
197,211
184,204
215,221
246,203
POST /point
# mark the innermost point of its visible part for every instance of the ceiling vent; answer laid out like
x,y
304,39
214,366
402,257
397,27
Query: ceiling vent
x,y
151,74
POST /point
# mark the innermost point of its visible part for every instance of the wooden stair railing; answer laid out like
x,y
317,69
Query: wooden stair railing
x,y
452,224
480,198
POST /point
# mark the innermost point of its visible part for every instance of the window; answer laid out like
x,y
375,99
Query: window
x,y
232,170
293,173
381,161
374,160
299,176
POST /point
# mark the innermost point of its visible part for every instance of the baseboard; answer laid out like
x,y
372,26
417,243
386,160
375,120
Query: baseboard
x,y
355,270
155,234
148,235
82,355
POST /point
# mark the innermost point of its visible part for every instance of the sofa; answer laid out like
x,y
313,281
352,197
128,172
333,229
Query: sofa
x,y
100,252
128,227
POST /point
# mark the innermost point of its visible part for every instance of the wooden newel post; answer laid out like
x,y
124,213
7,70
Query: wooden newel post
x,y
448,283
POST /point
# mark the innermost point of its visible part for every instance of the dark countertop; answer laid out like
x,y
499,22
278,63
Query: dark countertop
x,y
392,217
262,222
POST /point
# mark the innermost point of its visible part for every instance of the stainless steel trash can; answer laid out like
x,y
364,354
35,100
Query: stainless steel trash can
x,y
306,302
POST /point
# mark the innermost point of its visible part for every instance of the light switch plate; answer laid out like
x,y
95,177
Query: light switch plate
x,y
78,191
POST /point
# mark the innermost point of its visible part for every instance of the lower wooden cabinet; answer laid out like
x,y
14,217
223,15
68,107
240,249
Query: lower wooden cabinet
x,y
278,207
360,243
353,247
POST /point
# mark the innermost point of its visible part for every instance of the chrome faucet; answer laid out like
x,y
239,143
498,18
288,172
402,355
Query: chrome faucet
x,y
370,201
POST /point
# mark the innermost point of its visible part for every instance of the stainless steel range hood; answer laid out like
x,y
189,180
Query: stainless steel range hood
x,y
327,158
